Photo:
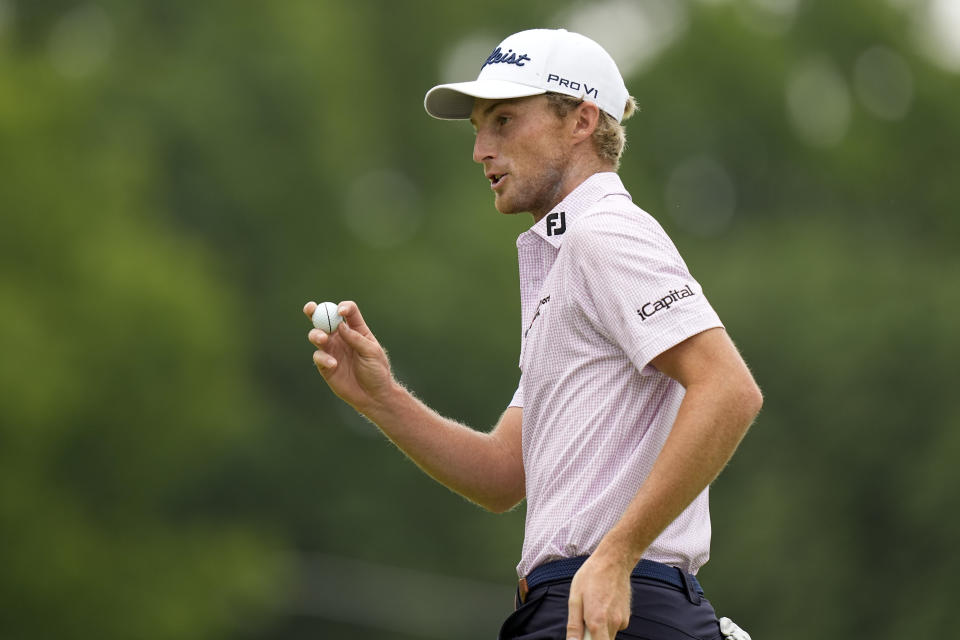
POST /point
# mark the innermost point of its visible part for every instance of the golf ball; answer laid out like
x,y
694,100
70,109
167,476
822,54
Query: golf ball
x,y
326,317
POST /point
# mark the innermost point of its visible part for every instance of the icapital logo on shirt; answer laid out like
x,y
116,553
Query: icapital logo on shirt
x,y
665,302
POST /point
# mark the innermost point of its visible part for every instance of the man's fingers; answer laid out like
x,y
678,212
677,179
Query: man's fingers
x,y
365,345
351,315
362,345
575,628
601,634
309,308
324,361
318,338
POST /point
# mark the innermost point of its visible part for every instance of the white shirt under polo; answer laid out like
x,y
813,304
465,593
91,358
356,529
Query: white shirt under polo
x,y
603,291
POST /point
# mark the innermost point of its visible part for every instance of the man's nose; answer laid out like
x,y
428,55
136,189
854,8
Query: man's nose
x,y
482,149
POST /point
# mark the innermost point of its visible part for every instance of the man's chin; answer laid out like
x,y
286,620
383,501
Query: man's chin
x,y
504,206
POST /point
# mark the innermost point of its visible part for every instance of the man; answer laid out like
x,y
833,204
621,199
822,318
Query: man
x,y
631,398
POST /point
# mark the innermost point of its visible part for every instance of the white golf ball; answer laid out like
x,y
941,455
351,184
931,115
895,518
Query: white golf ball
x,y
326,317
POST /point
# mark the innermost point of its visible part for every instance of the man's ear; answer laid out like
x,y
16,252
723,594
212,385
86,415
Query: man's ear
x,y
585,119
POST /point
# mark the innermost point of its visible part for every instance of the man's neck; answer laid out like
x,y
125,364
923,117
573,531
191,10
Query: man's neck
x,y
571,182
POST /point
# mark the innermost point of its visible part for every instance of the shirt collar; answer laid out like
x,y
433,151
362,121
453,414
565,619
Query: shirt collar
x,y
553,225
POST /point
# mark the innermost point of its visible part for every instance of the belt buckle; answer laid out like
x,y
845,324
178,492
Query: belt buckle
x,y
523,590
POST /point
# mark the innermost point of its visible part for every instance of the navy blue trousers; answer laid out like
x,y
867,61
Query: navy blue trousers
x,y
659,611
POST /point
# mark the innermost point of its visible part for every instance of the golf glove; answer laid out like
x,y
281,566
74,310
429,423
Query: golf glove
x,y
731,631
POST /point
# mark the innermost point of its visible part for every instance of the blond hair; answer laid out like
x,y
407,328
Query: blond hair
x,y
610,136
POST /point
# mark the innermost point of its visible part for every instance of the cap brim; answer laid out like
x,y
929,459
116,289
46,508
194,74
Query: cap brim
x,y
455,101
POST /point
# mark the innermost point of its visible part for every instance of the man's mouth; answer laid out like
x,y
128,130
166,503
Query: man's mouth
x,y
496,179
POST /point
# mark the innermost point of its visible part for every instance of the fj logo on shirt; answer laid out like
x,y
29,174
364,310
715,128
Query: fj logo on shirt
x,y
665,302
556,223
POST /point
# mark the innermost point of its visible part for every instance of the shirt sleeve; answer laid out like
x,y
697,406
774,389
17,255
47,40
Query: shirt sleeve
x,y
636,287
517,400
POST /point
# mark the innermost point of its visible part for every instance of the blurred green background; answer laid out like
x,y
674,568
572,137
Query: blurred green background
x,y
177,178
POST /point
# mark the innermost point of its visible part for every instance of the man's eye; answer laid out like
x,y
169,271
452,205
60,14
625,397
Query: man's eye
x,y
502,120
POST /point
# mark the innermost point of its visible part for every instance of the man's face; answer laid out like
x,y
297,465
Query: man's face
x,y
524,154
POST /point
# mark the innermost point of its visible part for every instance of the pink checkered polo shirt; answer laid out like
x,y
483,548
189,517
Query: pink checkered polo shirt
x,y
603,291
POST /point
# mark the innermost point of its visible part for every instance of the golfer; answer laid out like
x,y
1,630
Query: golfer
x,y
632,397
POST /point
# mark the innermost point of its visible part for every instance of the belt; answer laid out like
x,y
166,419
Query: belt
x,y
565,569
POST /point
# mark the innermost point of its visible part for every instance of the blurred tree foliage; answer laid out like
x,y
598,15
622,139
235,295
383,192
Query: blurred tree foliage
x,y
178,178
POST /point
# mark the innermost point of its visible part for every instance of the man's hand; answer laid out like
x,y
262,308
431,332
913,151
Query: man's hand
x,y
350,359
599,600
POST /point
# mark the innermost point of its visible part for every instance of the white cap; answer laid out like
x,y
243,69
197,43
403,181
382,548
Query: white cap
x,y
531,63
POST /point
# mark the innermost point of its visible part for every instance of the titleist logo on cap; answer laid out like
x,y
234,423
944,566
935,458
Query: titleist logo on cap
x,y
498,57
